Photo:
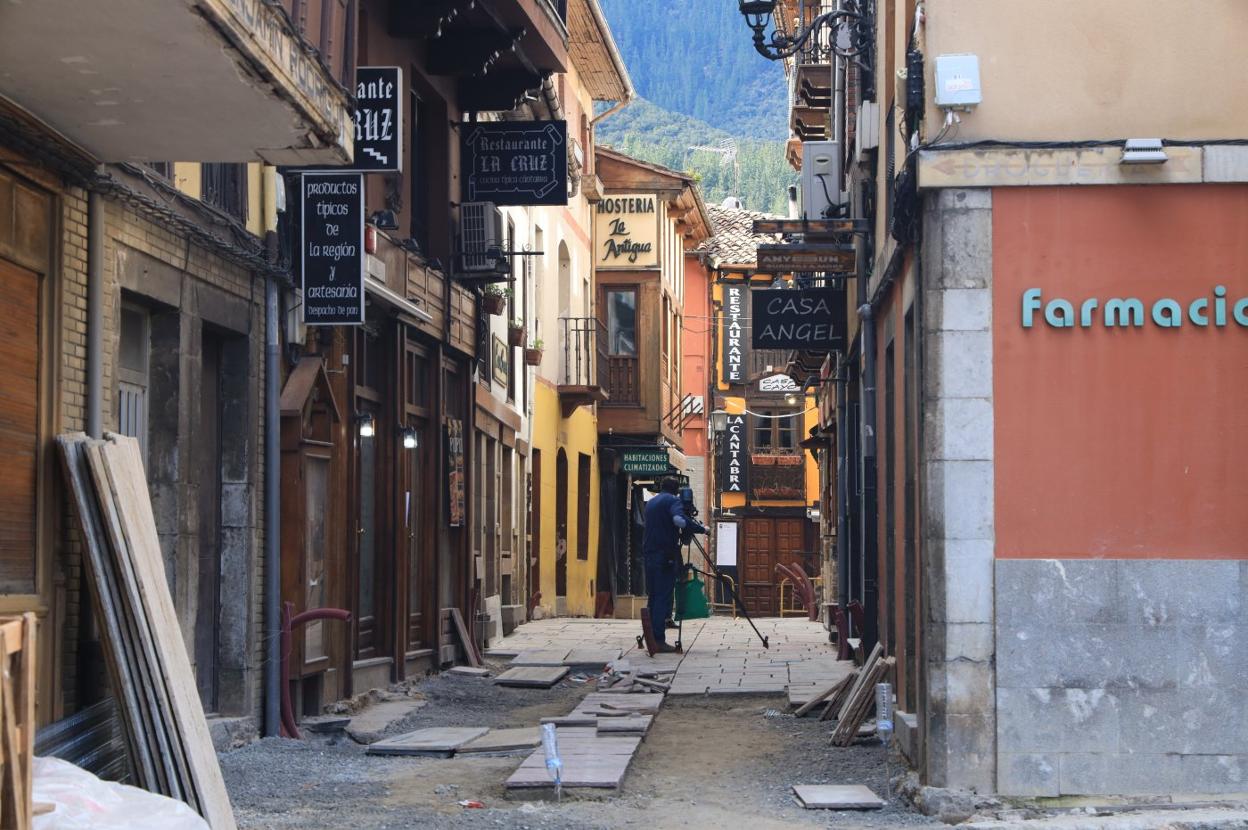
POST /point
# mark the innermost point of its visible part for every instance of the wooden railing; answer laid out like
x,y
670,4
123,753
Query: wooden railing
x,y
584,351
623,381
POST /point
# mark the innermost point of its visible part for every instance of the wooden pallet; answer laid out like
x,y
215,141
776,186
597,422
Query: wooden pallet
x,y
17,719
146,655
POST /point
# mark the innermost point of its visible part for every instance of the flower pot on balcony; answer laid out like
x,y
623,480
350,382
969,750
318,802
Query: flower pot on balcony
x,y
533,357
763,460
515,335
789,460
494,303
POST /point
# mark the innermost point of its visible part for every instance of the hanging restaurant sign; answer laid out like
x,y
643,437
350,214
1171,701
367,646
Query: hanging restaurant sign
x,y
378,119
501,354
331,239
806,259
802,318
457,501
734,333
778,383
515,162
733,469
653,461
626,230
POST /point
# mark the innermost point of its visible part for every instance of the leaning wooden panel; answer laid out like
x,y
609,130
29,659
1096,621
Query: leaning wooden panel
x,y
17,719
147,669
129,485
116,628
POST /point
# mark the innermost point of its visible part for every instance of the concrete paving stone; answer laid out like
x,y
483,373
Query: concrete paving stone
x,y
837,797
440,740
503,740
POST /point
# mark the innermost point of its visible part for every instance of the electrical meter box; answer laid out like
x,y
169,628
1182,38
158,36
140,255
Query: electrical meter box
x,y
957,81
821,179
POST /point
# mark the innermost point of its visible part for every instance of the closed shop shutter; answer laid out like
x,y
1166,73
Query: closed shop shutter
x,y
19,426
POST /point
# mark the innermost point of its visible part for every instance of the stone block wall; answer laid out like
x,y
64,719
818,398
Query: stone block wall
x,y
1122,677
957,496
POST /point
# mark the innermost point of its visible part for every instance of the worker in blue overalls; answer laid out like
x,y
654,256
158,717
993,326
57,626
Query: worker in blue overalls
x,y
665,520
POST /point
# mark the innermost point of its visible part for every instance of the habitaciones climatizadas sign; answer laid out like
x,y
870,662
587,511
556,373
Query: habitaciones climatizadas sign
x,y
331,261
800,318
515,162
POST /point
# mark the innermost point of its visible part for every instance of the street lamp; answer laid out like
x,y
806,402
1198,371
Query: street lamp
x,y
411,438
719,421
368,427
852,19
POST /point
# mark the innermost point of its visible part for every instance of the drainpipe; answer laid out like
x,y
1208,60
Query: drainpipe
x,y
869,563
95,314
272,475
842,487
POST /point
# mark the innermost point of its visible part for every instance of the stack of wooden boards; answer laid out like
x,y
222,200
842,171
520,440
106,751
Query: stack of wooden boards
x,y
852,699
17,719
147,658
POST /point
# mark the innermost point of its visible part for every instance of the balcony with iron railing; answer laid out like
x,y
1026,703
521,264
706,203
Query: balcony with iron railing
x,y
582,353
777,474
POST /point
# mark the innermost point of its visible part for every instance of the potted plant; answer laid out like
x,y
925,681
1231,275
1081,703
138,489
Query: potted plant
x,y
515,333
494,300
533,353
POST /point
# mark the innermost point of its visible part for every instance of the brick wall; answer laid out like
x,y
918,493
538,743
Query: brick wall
x,y
199,287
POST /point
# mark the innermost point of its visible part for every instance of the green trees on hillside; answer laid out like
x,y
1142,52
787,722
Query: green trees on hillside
x,y
695,57
759,175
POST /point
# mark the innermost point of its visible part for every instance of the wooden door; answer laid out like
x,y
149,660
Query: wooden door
x,y
207,458
535,526
768,542
561,524
370,599
19,427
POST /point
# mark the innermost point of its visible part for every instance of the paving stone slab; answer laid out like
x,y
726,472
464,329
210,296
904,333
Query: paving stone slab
x,y
469,671
837,797
597,657
503,740
441,740
532,677
540,657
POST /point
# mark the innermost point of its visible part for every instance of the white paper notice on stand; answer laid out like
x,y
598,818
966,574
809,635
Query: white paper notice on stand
x,y
726,544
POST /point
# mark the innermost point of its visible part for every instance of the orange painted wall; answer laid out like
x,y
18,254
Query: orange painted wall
x,y
1120,442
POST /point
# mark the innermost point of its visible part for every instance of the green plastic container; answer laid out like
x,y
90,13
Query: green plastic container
x,y
691,601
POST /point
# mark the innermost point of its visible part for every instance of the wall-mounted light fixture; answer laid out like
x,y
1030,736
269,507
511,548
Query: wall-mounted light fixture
x,y
790,398
719,421
367,426
411,438
853,19
384,220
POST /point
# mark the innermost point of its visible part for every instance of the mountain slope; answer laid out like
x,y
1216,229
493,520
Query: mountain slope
x,y
658,135
695,57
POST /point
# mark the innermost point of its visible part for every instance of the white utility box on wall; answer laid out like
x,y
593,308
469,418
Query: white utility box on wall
x,y
957,81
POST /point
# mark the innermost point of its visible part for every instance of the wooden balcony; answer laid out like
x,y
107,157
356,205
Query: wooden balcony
x,y
623,381
777,475
582,353
496,49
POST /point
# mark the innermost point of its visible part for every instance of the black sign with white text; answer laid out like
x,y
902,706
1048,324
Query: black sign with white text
x,y
515,162
734,334
332,248
799,318
378,119
733,457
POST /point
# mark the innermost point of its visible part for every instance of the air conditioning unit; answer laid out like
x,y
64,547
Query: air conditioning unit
x,y
481,239
821,179
867,134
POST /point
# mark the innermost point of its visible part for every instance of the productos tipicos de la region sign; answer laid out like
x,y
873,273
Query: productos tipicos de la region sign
x,y
1215,310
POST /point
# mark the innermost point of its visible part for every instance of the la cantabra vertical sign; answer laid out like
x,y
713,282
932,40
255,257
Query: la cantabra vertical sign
x,y
331,239
732,462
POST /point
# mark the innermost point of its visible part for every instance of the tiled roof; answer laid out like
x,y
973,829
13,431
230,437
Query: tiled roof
x,y
733,241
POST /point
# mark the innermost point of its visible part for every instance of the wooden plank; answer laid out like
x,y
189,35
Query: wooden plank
x,y
824,695
470,648
26,707
129,487
118,649
169,760
538,677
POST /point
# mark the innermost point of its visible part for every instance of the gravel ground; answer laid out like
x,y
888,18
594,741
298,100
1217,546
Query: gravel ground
x,y
707,762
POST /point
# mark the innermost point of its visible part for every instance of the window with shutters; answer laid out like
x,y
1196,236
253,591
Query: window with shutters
x,y
134,373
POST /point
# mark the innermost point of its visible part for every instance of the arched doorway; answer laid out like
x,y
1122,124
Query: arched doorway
x,y
565,281
561,525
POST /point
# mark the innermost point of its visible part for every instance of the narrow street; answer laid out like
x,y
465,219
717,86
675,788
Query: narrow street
x,y
719,759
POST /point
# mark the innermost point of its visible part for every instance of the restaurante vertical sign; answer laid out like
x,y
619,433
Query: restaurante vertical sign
x,y
734,333
332,248
732,462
